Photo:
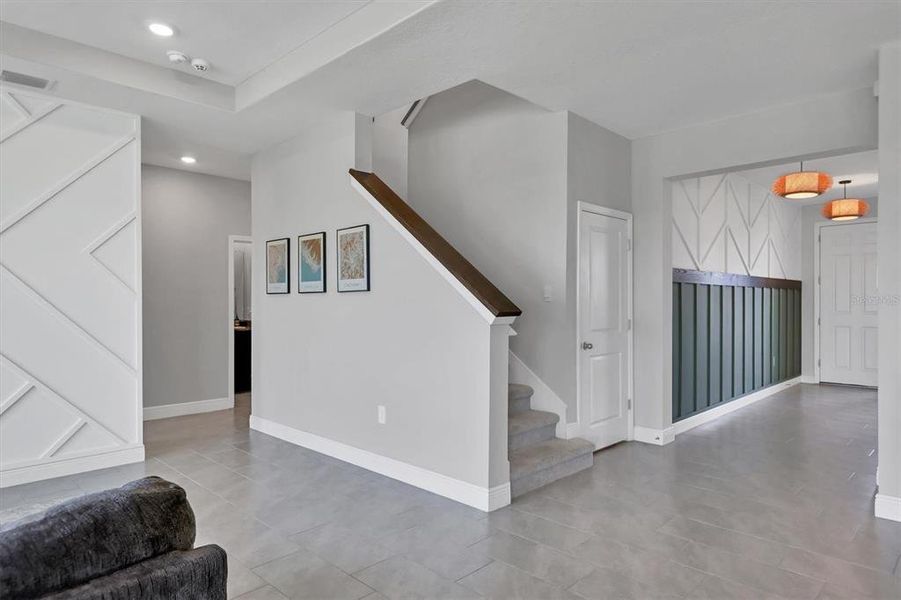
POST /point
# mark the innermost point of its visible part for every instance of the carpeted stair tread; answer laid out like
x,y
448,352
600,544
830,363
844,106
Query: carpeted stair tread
x,y
531,459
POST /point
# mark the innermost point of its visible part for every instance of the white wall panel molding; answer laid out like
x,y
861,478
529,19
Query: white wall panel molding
x,y
726,223
70,293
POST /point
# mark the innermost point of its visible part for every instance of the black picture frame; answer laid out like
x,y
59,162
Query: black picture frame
x,y
362,284
323,266
276,287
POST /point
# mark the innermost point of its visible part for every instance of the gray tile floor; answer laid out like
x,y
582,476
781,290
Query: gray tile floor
x,y
773,501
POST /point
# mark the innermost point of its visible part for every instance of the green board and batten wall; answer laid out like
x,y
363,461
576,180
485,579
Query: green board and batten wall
x,y
732,335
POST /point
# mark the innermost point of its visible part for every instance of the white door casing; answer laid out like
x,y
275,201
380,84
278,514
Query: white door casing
x,y
604,325
70,288
848,304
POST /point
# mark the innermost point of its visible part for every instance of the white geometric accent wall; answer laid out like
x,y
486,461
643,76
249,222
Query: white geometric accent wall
x,y
726,223
70,288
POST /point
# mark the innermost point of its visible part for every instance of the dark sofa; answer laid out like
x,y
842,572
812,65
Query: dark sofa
x,y
130,543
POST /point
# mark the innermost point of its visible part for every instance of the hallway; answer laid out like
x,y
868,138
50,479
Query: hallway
x,y
772,501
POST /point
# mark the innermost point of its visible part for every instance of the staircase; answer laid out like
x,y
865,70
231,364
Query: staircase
x,y
537,457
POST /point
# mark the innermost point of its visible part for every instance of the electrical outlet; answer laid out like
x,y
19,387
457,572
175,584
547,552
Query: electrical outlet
x,y
381,415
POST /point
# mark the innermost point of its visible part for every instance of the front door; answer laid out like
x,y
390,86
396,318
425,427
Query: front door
x,y
848,304
604,322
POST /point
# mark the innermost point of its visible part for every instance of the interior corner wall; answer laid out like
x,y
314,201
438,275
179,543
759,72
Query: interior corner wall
x,y
488,171
187,220
389,150
770,136
323,363
70,288
598,171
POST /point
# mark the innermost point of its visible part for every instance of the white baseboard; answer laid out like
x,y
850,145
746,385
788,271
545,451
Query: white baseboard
x,y
809,379
543,397
72,465
888,507
164,411
483,498
715,413
658,437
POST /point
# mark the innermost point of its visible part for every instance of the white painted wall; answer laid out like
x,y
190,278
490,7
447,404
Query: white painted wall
x,y
187,220
779,134
70,288
323,363
888,500
728,224
500,178
389,149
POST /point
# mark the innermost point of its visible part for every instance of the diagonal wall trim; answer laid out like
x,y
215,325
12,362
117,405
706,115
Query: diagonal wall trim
x,y
691,254
64,438
84,333
109,233
104,238
38,383
712,197
17,105
92,164
16,396
738,251
737,217
23,125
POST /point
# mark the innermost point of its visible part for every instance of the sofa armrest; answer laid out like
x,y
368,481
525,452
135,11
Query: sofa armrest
x,y
199,574
94,535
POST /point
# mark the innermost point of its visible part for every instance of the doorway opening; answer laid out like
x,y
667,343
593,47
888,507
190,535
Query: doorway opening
x,y
239,321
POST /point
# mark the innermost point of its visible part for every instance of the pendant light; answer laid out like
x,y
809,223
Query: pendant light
x,y
845,209
802,184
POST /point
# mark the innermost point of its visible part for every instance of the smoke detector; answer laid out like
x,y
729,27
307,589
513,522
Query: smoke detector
x,y
200,65
176,57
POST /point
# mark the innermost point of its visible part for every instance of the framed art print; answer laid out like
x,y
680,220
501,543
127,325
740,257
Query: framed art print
x,y
278,266
311,263
353,259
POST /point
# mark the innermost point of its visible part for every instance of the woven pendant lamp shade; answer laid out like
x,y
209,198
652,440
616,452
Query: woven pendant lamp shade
x,y
845,209
802,184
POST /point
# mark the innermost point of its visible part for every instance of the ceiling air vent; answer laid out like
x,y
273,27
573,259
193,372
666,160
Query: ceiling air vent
x,y
26,80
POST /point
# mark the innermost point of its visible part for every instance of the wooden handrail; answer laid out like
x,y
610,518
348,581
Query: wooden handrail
x,y
473,280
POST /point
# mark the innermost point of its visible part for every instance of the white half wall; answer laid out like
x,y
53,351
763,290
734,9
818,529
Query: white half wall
x,y
187,220
324,363
70,288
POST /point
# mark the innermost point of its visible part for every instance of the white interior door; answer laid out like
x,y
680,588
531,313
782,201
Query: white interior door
x,y
848,307
604,322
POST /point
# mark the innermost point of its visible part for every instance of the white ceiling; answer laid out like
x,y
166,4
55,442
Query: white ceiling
x,y
862,168
238,38
637,68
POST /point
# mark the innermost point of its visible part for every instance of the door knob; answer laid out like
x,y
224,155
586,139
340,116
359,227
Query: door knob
x,y
587,346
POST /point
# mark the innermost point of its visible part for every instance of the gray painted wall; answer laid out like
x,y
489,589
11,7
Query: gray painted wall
x,y
500,178
187,220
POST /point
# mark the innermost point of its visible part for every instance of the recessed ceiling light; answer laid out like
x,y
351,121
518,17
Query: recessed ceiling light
x,y
161,29
188,160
